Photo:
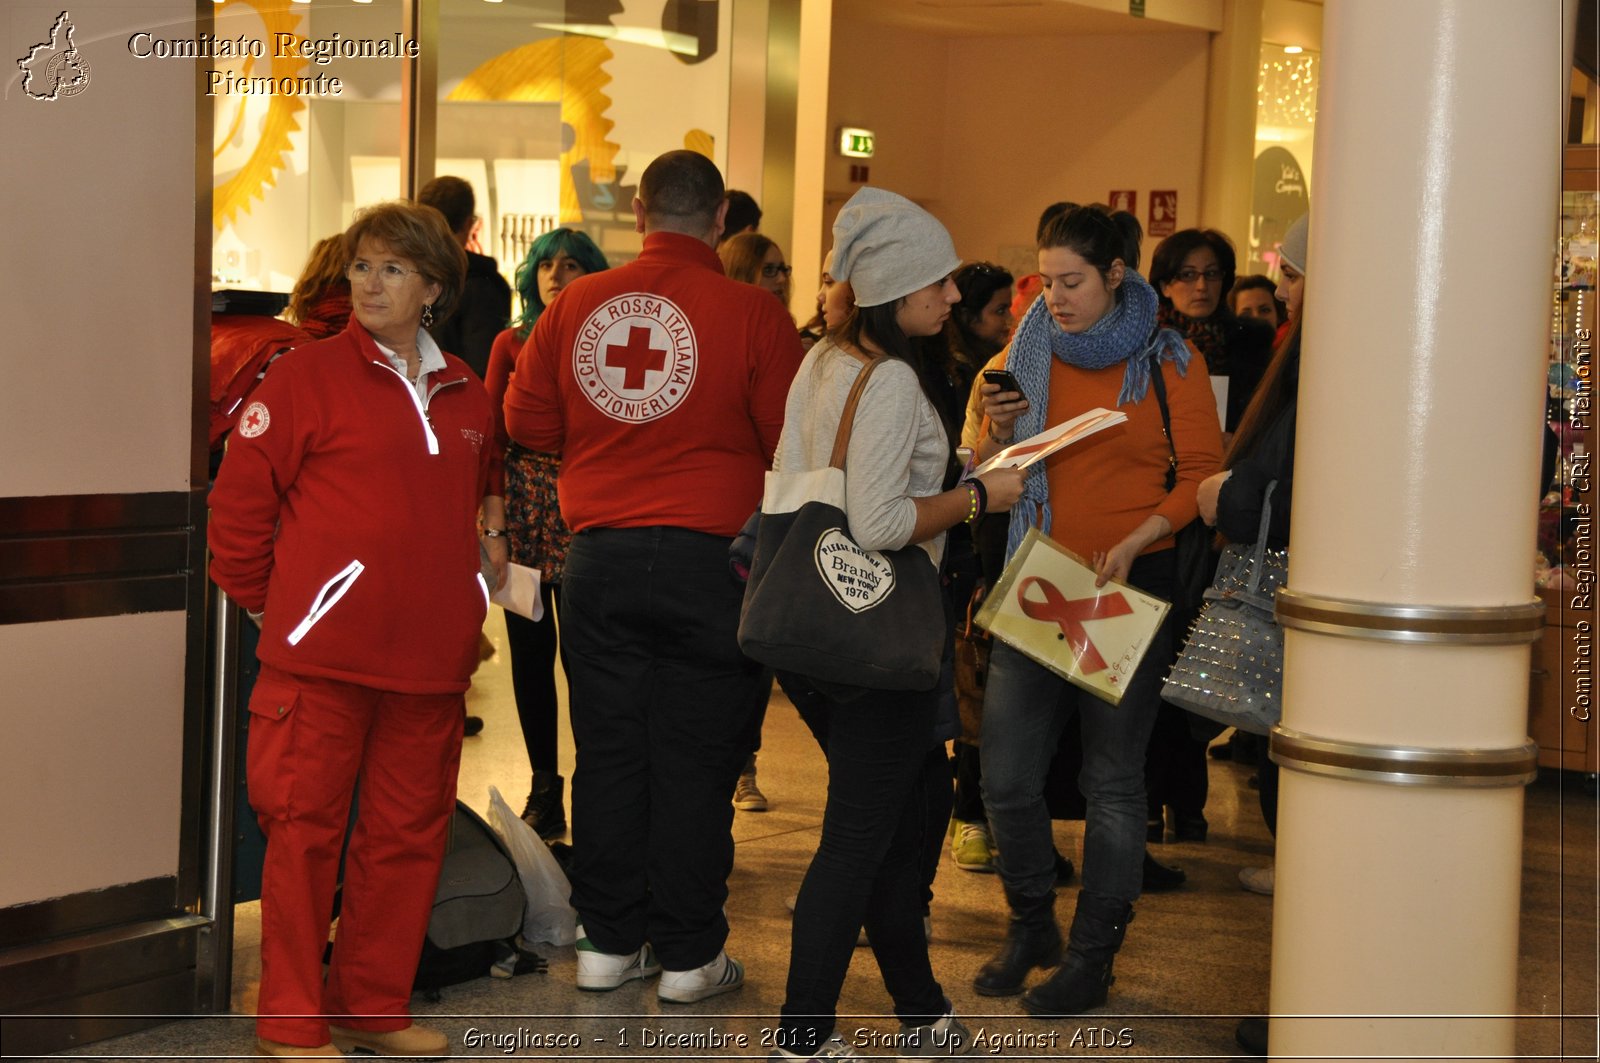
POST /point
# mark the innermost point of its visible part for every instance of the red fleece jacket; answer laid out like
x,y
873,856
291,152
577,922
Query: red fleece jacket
x,y
346,508
662,386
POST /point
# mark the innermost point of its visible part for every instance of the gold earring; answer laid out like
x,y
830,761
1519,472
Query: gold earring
x,y
427,315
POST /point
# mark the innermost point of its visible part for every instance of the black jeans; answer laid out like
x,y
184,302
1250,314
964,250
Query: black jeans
x,y
885,774
661,699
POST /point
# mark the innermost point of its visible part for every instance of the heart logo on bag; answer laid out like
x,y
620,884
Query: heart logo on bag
x,y
859,578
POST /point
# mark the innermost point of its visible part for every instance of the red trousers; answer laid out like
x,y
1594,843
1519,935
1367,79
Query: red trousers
x,y
312,743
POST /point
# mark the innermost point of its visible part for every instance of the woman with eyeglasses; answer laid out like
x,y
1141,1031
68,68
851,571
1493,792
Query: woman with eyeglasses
x,y
538,536
1192,270
752,258
345,520
1092,340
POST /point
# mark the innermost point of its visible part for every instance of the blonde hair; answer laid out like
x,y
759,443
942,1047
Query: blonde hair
x,y
421,234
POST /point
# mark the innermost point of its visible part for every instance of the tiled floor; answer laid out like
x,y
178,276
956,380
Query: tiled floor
x,y
1194,959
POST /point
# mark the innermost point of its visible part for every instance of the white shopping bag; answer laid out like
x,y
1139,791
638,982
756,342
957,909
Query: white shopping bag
x,y
549,917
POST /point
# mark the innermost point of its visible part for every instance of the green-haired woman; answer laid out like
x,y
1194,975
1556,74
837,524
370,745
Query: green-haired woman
x,y
539,537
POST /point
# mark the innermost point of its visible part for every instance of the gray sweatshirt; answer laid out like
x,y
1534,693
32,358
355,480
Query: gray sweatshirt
x,y
898,447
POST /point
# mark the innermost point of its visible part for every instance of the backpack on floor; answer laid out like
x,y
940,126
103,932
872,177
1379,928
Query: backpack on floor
x,y
477,911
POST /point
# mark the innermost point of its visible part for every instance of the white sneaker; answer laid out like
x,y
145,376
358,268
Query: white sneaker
x,y
947,1037
1257,880
833,1048
747,796
599,971
722,975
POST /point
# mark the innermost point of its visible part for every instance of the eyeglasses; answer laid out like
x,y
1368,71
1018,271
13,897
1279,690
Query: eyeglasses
x,y
1189,276
770,271
390,274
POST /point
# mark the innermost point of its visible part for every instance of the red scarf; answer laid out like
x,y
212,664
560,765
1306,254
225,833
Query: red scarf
x,y
1208,334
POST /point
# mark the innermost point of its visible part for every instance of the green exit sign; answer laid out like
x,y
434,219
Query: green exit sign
x,y
856,143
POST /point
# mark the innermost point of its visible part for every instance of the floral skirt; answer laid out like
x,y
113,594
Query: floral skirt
x,y
539,537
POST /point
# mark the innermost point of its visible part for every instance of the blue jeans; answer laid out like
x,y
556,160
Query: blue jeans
x,y
1025,707
888,790
661,706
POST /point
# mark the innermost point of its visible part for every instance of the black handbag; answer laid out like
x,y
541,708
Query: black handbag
x,y
820,606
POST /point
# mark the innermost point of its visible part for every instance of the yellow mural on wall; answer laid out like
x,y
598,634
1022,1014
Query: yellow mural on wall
x,y
565,70
258,172
701,141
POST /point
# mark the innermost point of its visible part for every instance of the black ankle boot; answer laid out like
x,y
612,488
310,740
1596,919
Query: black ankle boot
x,y
1084,977
545,812
1032,940
1159,877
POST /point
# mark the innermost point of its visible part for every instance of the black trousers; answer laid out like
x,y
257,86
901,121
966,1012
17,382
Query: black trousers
x,y
888,787
661,699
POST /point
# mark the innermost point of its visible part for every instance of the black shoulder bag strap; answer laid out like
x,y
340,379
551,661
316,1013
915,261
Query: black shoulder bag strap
x,y
1159,383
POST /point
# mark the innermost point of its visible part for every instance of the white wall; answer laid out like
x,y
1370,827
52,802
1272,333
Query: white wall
x,y
895,82
97,267
986,132
97,260
1068,118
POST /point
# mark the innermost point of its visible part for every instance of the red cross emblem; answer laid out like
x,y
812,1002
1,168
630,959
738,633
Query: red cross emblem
x,y
635,358
254,420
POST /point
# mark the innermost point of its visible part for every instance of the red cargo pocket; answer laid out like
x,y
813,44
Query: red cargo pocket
x,y
268,744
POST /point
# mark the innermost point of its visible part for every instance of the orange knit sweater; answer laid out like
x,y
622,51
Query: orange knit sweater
x,y
1104,487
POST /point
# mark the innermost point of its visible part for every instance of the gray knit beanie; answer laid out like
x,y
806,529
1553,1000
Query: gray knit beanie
x,y
1292,252
888,247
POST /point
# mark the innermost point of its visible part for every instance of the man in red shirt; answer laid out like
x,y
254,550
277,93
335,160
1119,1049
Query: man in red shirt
x,y
662,386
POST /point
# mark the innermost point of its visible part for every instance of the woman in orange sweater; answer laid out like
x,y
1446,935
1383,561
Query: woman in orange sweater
x,y
1092,340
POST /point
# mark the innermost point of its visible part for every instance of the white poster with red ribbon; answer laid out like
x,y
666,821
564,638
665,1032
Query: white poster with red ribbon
x,y
1047,607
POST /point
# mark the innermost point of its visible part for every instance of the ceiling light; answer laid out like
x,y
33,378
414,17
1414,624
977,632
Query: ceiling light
x,y
681,43
1292,49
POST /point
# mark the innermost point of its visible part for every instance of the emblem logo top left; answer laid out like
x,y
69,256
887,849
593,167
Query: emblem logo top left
x,y
55,69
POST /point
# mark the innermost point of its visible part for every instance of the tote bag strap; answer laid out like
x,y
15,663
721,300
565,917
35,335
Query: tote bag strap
x,y
841,438
1259,554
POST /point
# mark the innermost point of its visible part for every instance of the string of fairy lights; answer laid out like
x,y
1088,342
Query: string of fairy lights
x,y
1286,90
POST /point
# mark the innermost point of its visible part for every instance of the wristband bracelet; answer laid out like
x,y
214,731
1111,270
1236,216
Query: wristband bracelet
x,y
493,533
972,502
997,439
983,496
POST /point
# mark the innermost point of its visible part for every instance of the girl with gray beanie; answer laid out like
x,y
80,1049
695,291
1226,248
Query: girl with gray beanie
x,y
885,769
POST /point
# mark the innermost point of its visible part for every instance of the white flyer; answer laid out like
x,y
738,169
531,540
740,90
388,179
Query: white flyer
x,y
1038,447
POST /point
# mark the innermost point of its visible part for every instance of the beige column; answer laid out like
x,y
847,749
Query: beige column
x,y
1227,164
810,153
1410,603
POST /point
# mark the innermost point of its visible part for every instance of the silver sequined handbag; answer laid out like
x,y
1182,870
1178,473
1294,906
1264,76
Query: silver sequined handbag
x,y
1231,667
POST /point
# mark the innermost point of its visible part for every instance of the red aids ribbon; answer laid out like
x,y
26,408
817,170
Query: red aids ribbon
x,y
1070,615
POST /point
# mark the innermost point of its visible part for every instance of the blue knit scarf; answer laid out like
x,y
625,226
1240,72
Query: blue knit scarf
x,y
1127,334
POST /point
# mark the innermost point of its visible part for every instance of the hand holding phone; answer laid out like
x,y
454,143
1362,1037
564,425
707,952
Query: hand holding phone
x,y
1004,378
1002,413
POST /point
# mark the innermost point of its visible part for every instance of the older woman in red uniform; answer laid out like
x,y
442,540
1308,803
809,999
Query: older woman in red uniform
x,y
343,520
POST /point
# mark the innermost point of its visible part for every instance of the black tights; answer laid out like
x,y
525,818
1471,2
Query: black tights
x,y
534,646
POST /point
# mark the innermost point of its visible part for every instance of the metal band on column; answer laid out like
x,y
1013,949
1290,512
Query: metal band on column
x,y
1460,625
1403,766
